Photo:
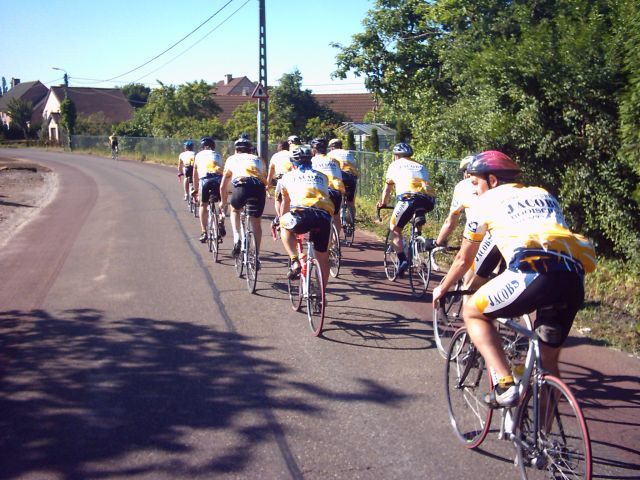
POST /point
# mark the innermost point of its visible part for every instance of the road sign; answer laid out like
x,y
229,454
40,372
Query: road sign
x,y
260,92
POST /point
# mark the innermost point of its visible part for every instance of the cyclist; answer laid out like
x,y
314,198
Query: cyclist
x,y
207,173
113,144
185,166
306,207
546,266
322,163
279,165
246,172
347,163
414,193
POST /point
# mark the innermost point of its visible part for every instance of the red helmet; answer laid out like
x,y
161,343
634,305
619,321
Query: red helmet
x,y
493,162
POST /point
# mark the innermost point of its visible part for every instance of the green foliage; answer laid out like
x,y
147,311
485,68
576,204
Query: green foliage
x,y
244,119
20,112
68,115
137,94
372,143
351,140
403,134
554,84
94,124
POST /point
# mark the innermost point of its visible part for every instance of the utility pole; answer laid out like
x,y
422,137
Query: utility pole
x,y
263,101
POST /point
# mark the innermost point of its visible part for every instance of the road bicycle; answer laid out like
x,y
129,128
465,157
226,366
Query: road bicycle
x,y
309,286
418,252
247,258
348,222
114,153
335,253
192,202
547,426
213,227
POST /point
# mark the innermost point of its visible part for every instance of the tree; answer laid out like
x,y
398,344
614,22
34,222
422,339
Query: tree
x,y
4,87
351,140
68,116
243,119
20,112
137,94
403,133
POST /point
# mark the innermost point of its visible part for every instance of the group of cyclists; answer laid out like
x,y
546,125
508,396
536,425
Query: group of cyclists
x,y
522,227
308,189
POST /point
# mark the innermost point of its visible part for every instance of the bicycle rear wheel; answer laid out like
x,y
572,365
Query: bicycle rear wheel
x,y
252,262
335,256
466,381
391,261
447,319
315,298
561,448
239,259
421,266
348,225
295,290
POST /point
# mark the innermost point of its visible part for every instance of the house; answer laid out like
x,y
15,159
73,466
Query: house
x,y
33,92
361,131
239,86
110,102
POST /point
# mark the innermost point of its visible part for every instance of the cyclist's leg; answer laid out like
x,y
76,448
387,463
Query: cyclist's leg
x,y
255,206
336,198
205,191
320,236
400,216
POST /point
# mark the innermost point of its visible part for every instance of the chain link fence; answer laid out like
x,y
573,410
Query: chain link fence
x,y
372,165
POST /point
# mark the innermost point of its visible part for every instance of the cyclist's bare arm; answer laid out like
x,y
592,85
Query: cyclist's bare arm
x,y
460,265
448,226
386,192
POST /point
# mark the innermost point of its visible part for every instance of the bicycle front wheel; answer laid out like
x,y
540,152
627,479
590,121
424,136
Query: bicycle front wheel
x,y
561,447
466,382
391,261
252,262
420,272
295,290
335,256
315,298
446,320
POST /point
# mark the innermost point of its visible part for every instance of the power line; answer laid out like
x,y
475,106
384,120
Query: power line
x,y
172,46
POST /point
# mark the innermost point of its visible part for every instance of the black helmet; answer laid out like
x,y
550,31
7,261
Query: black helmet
x,y
295,139
301,155
403,149
494,162
243,143
207,142
320,144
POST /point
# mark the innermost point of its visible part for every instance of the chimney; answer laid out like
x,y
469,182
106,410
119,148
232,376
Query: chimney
x,y
14,82
227,78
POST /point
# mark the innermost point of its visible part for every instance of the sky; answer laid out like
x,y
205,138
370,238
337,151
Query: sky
x,y
102,44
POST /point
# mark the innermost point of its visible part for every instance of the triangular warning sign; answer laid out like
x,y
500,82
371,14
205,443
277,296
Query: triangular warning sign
x,y
260,92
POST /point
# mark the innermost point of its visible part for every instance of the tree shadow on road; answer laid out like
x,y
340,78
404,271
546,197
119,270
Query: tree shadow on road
x,y
83,396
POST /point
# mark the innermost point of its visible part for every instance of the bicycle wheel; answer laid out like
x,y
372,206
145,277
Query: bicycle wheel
x,y
391,261
295,290
239,259
214,233
466,382
421,266
447,319
348,225
561,448
252,262
335,256
315,298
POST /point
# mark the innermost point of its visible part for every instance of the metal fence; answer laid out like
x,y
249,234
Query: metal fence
x,y
372,165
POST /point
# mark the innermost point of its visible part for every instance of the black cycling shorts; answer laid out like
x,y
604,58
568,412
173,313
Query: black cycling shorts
x,y
313,220
188,171
210,185
350,183
405,208
251,194
336,198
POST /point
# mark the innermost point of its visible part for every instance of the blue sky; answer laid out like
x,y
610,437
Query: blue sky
x,y
96,41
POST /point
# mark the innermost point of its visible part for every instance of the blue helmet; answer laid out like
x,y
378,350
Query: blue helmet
x,y
188,144
403,149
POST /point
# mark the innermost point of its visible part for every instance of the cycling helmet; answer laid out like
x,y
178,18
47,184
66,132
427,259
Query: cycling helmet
x,y
335,143
294,139
243,142
301,155
208,142
495,163
320,144
188,144
465,161
403,149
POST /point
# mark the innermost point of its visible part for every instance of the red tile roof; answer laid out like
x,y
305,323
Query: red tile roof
x,y
353,105
228,104
110,101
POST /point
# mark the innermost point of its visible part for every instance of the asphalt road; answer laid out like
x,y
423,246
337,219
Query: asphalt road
x,y
127,353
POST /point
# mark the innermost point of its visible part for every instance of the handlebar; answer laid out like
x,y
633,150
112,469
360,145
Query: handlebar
x,y
382,208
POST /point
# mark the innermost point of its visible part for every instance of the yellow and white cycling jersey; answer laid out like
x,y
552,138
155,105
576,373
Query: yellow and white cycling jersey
x,y
245,165
322,163
208,162
527,225
464,196
409,177
307,189
345,159
187,158
281,162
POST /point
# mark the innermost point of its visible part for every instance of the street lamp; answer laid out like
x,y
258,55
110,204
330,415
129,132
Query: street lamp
x,y
66,76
